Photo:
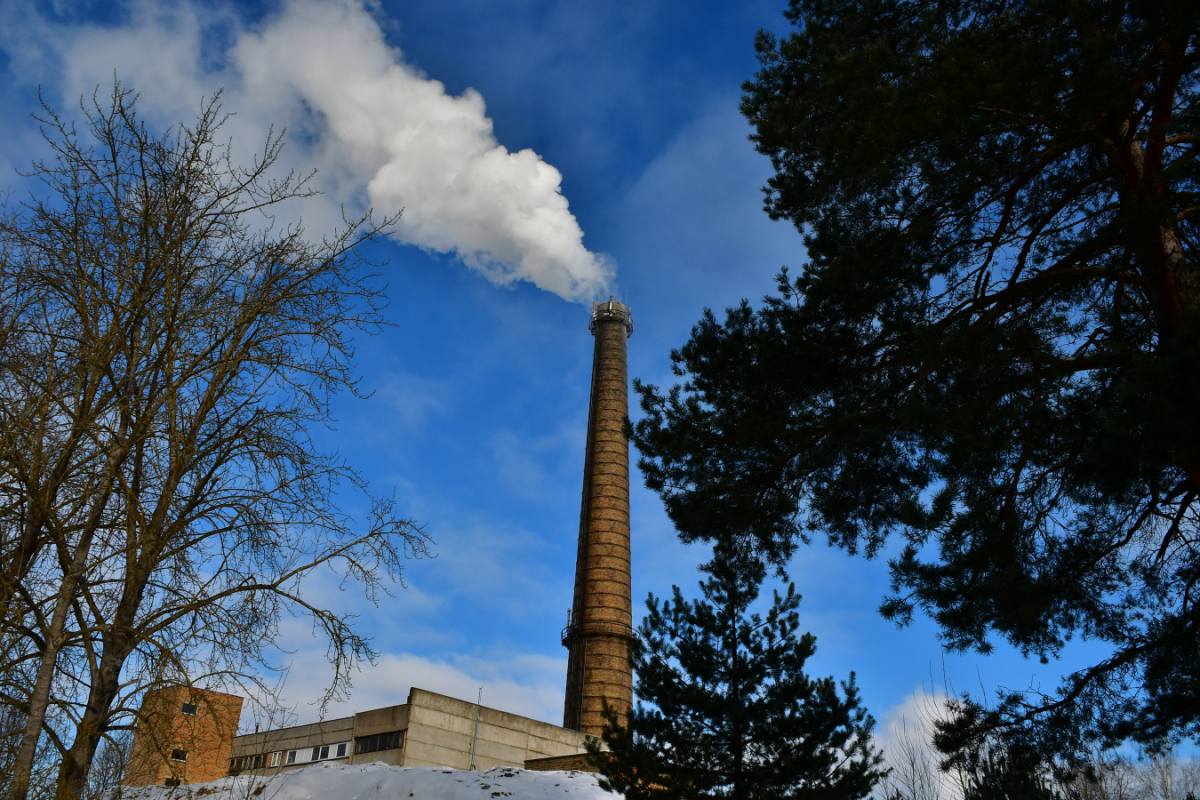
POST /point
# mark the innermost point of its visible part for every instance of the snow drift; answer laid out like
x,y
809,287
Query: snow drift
x,y
331,781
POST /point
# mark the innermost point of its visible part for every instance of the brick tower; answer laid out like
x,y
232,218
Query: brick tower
x,y
184,735
600,627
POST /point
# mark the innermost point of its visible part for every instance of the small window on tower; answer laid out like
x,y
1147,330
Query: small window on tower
x,y
179,755
189,709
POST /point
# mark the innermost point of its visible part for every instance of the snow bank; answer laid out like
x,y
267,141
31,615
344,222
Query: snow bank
x,y
332,781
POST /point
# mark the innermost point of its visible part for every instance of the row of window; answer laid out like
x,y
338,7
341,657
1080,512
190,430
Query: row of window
x,y
380,741
244,763
363,744
319,753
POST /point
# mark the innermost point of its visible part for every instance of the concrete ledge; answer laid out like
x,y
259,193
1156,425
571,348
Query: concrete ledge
x,y
581,762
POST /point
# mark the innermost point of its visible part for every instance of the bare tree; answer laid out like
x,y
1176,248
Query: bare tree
x,y
58,458
108,768
181,502
919,771
916,769
1165,776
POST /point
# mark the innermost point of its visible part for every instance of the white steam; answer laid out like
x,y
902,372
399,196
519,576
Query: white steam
x,y
379,132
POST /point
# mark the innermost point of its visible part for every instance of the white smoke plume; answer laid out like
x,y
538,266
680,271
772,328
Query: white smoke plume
x,y
379,132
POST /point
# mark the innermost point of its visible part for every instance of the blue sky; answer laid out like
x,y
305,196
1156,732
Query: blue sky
x,y
477,420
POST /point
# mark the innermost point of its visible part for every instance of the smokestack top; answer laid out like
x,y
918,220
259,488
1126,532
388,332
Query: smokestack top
x,y
611,310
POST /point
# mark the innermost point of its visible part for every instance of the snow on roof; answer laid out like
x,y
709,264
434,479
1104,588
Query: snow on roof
x,y
333,781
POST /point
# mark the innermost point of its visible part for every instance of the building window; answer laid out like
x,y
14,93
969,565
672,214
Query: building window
x,y
189,709
320,753
171,782
243,763
291,759
179,755
274,760
380,741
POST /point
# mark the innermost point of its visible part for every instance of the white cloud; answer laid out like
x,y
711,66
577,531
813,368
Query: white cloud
x,y
906,736
380,133
529,685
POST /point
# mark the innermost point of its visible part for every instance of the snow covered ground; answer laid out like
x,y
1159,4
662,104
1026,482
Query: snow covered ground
x,y
382,782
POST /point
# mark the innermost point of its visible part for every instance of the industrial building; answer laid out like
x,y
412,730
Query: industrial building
x,y
187,735
429,730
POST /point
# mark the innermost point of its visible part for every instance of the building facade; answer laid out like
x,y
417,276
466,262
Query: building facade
x,y
429,730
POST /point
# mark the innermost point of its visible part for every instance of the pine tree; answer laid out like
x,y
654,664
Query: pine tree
x,y
725,708
1001,774
992,351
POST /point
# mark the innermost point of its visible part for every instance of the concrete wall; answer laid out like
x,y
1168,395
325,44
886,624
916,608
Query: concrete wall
x,y
206,736
441,728
382,720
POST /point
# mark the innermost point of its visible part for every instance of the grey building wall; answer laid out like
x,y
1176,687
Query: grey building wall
x,y
437,731
440,732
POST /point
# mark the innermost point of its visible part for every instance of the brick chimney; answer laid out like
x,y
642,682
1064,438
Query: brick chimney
x,y
600,627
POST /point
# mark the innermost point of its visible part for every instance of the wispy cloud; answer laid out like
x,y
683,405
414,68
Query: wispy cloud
x,y
412,400
534,467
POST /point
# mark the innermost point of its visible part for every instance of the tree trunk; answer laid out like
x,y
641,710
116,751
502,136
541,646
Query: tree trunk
x,y
117,643
106,685
39,700
736,708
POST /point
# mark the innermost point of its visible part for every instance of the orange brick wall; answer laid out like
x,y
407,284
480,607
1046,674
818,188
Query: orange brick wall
x,y
162,727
